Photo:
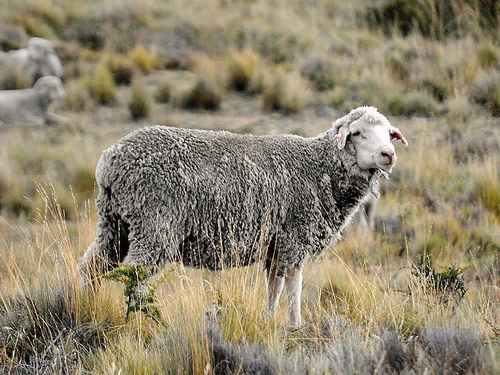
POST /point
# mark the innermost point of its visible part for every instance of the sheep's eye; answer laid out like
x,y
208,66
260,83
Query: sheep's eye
x,y
356,133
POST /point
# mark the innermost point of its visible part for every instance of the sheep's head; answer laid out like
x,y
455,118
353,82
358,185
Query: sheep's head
x,y
39,49
371,133
51,88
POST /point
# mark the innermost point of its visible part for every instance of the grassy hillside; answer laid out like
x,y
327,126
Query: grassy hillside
x,y
419,294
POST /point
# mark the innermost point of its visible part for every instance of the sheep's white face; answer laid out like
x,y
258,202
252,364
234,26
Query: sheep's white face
x,y
371,135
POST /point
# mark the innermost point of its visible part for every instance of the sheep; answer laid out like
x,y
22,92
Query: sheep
x,y
217,199
31,105
37,60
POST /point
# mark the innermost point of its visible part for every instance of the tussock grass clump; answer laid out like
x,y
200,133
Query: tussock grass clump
x,y
320,72
243,70
77,96
488,56
284,93
338,98
435,18
102,87
145,60
121,69
486,91
35,26
203,94
90,34
414,103
139,105
163,92
486,188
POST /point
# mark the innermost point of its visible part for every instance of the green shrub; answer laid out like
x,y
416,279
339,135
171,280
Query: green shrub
x,y
139,105
163,92
132,277
101,86
204,94
447,284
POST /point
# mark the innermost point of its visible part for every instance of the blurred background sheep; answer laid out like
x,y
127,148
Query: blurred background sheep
x,y
23,67
32,105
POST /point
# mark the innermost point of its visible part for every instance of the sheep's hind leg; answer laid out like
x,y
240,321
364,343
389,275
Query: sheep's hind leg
x,y
293,282
274,284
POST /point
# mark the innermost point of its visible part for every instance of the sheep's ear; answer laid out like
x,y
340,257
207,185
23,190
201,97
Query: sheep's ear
x,y
341,136
396,134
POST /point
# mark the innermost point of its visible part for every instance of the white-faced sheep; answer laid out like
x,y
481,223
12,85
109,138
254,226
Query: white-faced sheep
x,y
218,199
37,60
31,105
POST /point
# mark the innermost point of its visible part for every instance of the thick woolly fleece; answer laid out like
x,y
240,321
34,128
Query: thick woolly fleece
x,y
217,199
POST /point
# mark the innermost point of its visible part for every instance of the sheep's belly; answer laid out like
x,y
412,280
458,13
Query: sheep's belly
x,y
215,257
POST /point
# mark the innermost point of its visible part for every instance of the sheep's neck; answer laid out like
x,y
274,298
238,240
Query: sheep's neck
x,y
349,183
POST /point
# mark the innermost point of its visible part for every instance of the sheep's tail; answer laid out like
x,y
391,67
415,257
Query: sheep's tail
x,y
110,245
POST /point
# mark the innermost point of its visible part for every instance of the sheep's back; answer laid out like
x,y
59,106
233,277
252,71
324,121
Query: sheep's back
x,y
208,187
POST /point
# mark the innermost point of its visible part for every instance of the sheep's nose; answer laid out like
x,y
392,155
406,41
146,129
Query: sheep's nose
x,y
388,155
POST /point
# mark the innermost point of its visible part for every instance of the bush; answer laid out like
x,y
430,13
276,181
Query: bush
x,y
163,92
121,69
338,98
282,93
320,72
90,34
488,57
77,97
243,70
139,105
438,18
448,283
204,94
145,60
412,104
486,91
101,86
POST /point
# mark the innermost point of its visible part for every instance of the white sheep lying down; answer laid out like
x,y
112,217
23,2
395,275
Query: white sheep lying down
x,y
217,199
31,105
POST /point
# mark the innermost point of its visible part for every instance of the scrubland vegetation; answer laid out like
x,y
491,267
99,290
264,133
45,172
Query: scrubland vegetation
x,y
418,294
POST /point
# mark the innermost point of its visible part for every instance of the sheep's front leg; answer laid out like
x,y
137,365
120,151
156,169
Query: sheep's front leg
x,y
274,288
293,281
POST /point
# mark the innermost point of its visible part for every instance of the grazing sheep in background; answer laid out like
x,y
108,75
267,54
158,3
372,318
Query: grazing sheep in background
x,y
37,60
31,105
217,199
